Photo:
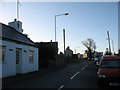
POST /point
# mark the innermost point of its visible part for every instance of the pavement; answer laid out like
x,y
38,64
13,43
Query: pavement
x,y
19,77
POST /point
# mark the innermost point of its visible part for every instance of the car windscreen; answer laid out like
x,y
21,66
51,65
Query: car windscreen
x,y
110,64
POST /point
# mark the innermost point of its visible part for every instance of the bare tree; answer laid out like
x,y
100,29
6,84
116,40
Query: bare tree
x,y
90,45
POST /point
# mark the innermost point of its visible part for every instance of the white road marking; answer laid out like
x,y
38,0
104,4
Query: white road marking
x,y
60,87
74,75
83,68
86,65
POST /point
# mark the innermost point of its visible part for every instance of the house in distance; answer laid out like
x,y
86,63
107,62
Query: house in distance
x,y
47,54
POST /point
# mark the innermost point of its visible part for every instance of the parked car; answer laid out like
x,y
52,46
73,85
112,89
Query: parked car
x,y
109,71
96,61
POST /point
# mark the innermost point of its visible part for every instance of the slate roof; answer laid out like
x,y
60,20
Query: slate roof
x,y
11,34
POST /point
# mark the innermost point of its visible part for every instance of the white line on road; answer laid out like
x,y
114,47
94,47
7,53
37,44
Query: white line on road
x,y
74,75
60,87
83,68
86,65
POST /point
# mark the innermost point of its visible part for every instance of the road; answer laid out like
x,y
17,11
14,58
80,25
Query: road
x,y
79,75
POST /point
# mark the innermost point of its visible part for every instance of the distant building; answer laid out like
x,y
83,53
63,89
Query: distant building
x,y
18,53
68,52
119,52
47,53
68,55
85,55
98,54
107,52
79,56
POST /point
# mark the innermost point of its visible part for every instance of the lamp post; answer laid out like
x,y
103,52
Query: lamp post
x,y
64,39
55,22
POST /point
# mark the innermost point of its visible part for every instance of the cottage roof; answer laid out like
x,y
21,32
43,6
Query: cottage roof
x,y
10,33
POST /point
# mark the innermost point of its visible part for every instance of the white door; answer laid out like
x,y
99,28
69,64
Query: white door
x,y
18,60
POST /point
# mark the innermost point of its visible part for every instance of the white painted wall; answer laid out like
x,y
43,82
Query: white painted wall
x,y
14,24
26,65
9,66
0,70
0,57
68,52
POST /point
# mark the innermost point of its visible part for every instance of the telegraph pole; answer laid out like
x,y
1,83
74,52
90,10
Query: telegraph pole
x,y
109,41
113,46
64,39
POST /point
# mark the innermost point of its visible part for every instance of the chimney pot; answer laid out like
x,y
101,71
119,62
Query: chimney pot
x,y
15,19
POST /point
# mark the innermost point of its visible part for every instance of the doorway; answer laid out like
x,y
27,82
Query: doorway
x,y
18,60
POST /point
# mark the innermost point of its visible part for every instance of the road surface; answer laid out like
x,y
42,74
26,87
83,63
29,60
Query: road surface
x,y
78,75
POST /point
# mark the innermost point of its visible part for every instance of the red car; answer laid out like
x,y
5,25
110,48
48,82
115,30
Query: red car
x,y
109,71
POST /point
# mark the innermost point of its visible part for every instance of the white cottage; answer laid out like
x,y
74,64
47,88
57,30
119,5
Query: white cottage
x,y
68,52
18,54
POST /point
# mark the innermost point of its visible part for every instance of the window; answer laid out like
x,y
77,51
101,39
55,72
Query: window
x,y
18,55
18,25
110,64
2,53
31,55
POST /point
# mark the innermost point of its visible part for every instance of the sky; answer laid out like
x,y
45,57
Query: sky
x,y
85,20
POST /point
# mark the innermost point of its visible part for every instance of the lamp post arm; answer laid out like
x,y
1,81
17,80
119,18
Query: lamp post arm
x,y
60,15
55,22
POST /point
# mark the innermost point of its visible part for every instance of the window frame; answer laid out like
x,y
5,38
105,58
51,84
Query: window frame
x,y
31,56
109,65
2,53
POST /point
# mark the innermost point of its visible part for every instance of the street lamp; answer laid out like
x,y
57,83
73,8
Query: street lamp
x,y
55,22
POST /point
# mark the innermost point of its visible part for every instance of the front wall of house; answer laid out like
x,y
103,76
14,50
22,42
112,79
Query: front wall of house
x,y
68,53
28,66
9,64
